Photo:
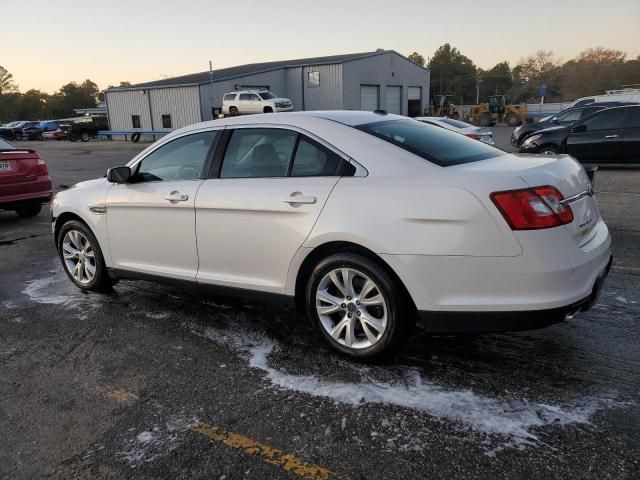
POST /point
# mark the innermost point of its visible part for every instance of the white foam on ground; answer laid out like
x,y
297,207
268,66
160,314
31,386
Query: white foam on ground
x,y
515,419
39,291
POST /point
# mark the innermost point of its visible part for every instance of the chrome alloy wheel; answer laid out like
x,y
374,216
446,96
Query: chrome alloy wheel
x,y
351,308
79,257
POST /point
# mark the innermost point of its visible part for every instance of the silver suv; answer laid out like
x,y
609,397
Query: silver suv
x,y
254,101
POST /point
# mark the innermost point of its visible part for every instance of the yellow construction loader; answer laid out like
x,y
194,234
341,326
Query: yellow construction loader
x,y
488,114
441,107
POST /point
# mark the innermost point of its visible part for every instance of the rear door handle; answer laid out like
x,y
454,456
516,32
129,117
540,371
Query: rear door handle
x,y
175,197
299,198
611,136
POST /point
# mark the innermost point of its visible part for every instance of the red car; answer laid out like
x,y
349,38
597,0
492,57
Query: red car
x,y
25,183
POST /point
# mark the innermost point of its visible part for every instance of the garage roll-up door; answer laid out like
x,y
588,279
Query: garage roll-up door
x,y
414,93
369,97
394,100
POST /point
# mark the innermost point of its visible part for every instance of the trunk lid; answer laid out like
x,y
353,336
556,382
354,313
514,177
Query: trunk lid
x,y
18,166
559,171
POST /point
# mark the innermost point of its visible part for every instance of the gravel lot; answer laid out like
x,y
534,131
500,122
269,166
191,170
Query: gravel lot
x,y
154,382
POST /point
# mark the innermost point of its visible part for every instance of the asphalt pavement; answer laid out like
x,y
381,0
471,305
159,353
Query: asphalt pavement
x,y
155,382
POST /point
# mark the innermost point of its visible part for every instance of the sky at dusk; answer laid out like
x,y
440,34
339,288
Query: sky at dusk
x,y
143,40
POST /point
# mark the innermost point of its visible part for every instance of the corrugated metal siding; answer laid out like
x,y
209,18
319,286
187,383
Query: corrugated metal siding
x,y
182,103
123,104
328,96
389,69
211,94
293,77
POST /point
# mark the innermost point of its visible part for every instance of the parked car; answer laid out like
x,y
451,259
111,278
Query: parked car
x,y
86,128
253,101
36,132
61,133
477,133
610,136
565,117
629,94
366,220
13,130
24,180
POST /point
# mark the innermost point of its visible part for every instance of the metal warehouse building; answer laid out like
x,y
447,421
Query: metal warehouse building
x,y
360,81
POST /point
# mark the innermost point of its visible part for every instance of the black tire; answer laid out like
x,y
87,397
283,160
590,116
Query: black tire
x,y
39,136
101,281
267,110
73,138
548,150
85,137
29,209
135,137
400,316
513,120
233,111
485,120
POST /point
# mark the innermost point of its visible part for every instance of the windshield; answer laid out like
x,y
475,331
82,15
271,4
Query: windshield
x,y
439,146
6,145
455,123
267,95
11,124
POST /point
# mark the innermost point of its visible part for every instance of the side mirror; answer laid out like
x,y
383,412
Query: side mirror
x,y
119,175
579,128
554,120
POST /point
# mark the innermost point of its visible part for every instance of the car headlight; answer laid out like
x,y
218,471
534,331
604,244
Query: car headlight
x,y
531,139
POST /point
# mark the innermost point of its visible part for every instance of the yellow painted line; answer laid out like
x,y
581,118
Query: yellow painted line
x,y
119,395
269,454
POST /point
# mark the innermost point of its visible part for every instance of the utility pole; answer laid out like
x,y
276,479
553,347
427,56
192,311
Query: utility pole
x,y
478,82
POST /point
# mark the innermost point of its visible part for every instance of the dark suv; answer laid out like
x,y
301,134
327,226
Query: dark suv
x,y
86,128
565,117
35,132
610,136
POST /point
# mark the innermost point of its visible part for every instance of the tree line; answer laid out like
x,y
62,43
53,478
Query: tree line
x,y
38,105
590,73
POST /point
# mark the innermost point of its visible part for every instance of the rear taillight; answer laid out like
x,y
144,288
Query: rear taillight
x,y
473,135
41,168
533,208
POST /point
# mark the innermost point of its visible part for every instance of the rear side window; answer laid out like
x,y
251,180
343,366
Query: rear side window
x,y
438,145
606,120
229,97
312,160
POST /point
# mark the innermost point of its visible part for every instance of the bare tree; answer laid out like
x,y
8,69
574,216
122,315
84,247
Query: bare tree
x,y
7,84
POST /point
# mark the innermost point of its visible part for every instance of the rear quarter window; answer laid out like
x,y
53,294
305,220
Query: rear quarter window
x,y
437,145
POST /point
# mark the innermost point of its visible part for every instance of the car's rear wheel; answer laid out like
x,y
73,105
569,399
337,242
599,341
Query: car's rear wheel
x,y
233,111
82,258
30,209
39,136
85,137
356,306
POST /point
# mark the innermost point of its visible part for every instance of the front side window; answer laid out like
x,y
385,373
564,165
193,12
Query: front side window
x,y
135,121
437,145
180,159
166,121
314,79
606,120
258,152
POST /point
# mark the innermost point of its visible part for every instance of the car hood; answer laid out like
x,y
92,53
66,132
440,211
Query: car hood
x,y
279,99
558,129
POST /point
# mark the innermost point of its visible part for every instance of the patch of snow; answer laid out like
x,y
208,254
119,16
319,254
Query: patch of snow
x,y
514,420
9,305
39,290
621,299
157,316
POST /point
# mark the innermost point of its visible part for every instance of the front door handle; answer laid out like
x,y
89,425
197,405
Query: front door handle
x,y
611,136
176,196
297,198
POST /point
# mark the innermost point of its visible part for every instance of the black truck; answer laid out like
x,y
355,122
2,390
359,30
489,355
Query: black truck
x,y
86,128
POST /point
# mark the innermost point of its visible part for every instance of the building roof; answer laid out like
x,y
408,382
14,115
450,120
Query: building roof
x,y
251,69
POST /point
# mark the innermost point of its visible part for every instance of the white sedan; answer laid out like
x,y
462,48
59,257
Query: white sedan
x,y
477,133
367,221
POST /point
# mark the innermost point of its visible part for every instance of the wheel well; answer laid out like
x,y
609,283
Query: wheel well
x,y
267,109
64,218
323,251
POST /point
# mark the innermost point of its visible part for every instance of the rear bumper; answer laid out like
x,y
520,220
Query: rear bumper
x,y
504,321
16,193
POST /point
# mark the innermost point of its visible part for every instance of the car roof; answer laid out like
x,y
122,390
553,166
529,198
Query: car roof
x,y
247,91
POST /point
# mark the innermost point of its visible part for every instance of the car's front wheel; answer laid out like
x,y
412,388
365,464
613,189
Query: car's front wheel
x,y
82,258
357,307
